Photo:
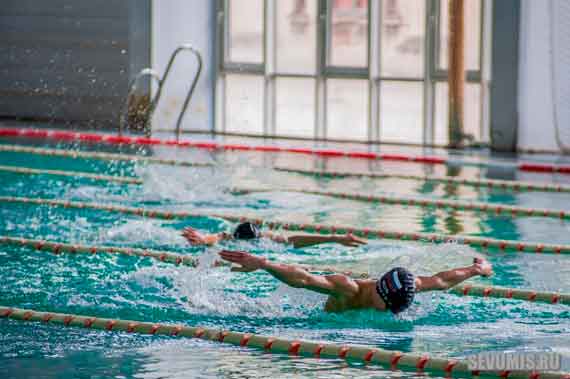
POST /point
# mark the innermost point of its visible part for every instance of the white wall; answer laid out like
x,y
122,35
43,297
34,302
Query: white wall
x,y
536,123
176,22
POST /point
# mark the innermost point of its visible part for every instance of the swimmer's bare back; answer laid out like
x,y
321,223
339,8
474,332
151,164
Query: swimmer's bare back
x,y
346,293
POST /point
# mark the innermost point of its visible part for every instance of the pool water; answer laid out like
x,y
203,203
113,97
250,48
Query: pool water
x,y
142,289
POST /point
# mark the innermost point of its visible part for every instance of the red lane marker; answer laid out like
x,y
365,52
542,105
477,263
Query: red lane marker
x,y
88,322
176,330
131,327
361,154
199,333
147,141
9,132
67,320
536,167
504,374
395,157
90,137
28,315
298,150
487,291
534,375
555,298
329,153
450,365
206,145
274,149
422,362
294,348
343,351
47,317
509,294
222,335
110,324
269,343
428,159
564,169
154,328
532,296
395,359
318,349
245,340
228,146
116,139
368,356
62,135
466,290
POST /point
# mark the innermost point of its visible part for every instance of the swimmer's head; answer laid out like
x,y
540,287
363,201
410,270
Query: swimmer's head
x,y
397,288
247,231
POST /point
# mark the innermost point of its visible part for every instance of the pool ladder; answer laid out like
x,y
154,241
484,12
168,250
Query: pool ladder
x,y
154,101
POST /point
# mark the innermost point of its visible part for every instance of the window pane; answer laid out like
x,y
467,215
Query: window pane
x,y
296,36
348,30
472,112
347,109
295,107
244,104
472,19
246,31
401,112
402,42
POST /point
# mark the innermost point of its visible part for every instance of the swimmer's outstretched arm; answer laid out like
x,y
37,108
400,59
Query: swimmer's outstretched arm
x,y
196,238
297,277
446,279
304,240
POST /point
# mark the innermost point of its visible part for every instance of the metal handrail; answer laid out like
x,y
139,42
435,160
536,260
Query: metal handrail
x,y
161,81
132,87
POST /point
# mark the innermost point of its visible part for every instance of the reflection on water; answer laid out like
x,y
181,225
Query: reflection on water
x,y
141,289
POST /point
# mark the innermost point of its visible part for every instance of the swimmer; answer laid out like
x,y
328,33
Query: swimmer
x,y
250,231
394,291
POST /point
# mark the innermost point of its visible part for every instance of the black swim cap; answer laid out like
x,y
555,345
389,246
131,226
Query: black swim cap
x,y
246,231
397,288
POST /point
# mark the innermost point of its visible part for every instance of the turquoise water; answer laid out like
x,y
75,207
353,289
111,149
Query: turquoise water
x,y
141,289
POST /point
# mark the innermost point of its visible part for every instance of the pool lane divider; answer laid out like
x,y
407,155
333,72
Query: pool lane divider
x,y
465,289
73,174
62,135
508,210
484,242
388,359
514,185
99,156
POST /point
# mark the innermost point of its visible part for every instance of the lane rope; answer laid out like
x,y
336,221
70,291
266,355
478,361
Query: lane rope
x,y
513,211
484,242
99,156
62,135
489,183
180,259
509,210
514,185
74,174
394,360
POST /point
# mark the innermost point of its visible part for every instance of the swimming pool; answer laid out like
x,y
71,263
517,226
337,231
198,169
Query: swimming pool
x,y
143,289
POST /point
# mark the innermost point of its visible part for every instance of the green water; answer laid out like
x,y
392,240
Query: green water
x,y
142,289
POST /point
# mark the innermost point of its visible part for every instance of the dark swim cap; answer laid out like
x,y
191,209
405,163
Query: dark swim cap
x,y
246,231
397,288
